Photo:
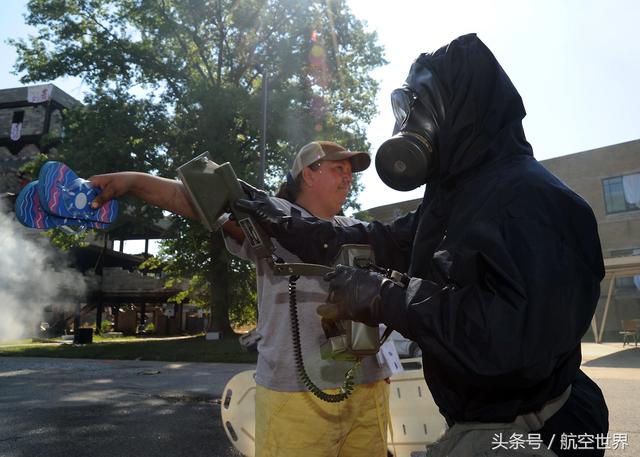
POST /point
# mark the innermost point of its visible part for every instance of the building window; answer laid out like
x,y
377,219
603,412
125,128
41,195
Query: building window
x,y
621,193
18,117
624,252
625,282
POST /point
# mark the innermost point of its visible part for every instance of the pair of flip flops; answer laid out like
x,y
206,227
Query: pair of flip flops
x,y
59,198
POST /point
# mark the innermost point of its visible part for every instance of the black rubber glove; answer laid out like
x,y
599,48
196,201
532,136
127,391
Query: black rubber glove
x,y
273,220
354,294
252,192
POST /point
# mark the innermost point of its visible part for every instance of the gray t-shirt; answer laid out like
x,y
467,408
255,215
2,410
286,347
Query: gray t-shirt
x,y
276,366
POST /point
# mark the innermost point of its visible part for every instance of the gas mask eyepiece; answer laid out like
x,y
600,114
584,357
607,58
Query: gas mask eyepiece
x,y
404,160
402,100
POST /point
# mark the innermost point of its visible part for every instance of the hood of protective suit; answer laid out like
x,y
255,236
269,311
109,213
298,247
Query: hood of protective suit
x,y
480,128
481,109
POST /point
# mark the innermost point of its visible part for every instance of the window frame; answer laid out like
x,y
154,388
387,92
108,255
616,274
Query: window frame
x,y
606,197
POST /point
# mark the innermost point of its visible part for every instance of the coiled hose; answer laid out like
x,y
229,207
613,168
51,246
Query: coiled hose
x,y
347,386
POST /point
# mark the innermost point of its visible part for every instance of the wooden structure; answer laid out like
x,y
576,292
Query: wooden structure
x,y
126,293
30,123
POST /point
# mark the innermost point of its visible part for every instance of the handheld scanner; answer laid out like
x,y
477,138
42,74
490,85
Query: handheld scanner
x,y
350,340
214,189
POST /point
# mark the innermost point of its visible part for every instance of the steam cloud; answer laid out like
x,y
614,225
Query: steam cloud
x,y
31,278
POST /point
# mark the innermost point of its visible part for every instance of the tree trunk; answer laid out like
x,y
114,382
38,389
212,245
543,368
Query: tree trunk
x,y
219,281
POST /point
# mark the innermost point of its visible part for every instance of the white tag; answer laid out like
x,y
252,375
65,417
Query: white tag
x,y
387,355
39,94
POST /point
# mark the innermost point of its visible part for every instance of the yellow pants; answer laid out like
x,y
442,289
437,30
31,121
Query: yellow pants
x,y
298,424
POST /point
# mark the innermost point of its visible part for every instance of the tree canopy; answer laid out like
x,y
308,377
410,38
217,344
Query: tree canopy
x,y
170,79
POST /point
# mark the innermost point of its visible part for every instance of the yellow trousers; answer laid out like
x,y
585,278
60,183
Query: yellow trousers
x,y
297,424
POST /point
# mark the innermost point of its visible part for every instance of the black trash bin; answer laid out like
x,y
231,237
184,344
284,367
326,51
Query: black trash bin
x,y
83,336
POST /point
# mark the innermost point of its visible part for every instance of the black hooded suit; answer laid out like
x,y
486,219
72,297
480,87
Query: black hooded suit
x,y
505,259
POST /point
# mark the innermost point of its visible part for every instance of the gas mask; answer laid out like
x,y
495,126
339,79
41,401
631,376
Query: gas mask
x,y
407,159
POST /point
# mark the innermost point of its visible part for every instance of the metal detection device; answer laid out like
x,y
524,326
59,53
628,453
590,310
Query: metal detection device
x,y
214,189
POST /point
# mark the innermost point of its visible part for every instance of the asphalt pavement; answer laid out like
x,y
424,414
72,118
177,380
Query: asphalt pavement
x,y
617,371
98,408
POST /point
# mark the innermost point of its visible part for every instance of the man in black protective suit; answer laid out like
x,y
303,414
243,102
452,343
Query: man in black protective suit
x,y
503,262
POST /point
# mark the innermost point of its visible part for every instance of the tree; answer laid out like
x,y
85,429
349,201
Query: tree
x,y
202,63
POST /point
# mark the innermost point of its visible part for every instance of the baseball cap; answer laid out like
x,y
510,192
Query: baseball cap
x,y
328,150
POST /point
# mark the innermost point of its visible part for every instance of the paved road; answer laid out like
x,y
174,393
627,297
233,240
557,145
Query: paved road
x,y
617,372
72,408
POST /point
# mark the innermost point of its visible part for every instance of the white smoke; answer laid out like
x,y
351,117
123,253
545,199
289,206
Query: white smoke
x,y
32,277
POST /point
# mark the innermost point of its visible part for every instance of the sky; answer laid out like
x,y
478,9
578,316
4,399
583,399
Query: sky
x,y
576,64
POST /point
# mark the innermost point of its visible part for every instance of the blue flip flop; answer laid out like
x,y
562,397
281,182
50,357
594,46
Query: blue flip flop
x,y
30,213
63,194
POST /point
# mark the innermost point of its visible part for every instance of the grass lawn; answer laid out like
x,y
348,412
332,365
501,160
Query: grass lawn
x,y
176,349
